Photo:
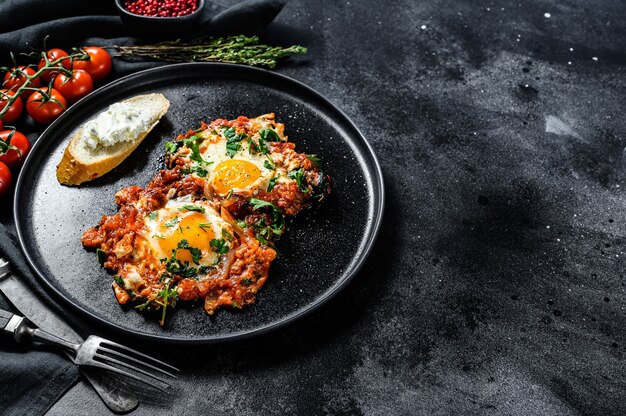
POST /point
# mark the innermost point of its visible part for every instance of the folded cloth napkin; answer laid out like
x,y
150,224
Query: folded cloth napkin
x,y
31,381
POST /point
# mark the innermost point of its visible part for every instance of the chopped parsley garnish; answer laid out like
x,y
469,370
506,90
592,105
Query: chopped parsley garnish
x,y
172,147
219,246
198,170
264,231
230,193
101,255
192,143
272,183
160,237
172,222
196,253
263,147
269,135
259,203
232,148
119,281
153,215
314,159
246,281
192,208
232,140
228,236
299,176
269,165
252,146
204,269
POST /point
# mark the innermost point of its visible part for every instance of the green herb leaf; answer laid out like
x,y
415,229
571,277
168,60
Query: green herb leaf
x,y
232,147
172,147
198,170
205,226
196,253
119,281
269,165
272,183
314,159
168,296
259,203
299,176
192,208
228,236
153,215
232,140
172,222
101,255
246,281
219,246
269,135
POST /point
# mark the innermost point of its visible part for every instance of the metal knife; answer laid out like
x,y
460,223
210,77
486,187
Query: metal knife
x,y
113,392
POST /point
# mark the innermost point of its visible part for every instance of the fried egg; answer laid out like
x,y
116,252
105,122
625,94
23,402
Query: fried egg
x,y
183,227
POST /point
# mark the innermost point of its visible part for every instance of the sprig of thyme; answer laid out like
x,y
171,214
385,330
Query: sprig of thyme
x,y
239,49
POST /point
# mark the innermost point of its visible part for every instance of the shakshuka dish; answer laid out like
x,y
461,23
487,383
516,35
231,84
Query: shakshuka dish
x,y
205,226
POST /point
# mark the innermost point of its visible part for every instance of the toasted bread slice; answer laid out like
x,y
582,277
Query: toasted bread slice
x,y
81,163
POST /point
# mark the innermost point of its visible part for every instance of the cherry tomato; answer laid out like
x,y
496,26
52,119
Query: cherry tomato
x,y
16,108
12,158
74,87
5,179
42,108
16,77
53,55
1,125
98,65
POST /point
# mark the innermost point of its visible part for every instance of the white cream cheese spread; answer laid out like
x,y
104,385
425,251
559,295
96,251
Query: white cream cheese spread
x,y
119,123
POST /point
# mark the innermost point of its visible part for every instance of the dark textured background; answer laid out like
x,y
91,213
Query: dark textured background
x,y
497,284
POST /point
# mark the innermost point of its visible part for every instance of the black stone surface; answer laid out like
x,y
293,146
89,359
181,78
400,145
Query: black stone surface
x,y
497,286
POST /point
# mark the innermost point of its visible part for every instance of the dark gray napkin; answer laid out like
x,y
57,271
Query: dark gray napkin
x,y
31,380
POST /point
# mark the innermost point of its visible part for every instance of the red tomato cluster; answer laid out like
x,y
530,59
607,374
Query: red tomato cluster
x,y
161,8
69,82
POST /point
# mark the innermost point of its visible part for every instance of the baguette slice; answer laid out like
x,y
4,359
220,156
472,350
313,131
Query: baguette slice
x,y
81,163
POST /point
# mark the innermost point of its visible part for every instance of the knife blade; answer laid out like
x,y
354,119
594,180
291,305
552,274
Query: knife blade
x,y
115,394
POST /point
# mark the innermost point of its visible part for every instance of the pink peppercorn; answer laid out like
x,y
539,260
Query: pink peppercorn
x,y
161,8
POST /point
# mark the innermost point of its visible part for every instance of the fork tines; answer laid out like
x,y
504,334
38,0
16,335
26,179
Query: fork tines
x,y
117,355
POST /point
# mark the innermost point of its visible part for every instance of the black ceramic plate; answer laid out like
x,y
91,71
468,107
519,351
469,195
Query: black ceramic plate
x,y
320,252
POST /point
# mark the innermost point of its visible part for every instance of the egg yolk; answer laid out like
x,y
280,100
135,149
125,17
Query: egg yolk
x,y
194,228
234,173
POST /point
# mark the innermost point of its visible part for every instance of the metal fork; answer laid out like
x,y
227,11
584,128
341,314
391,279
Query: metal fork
x,y
94,351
